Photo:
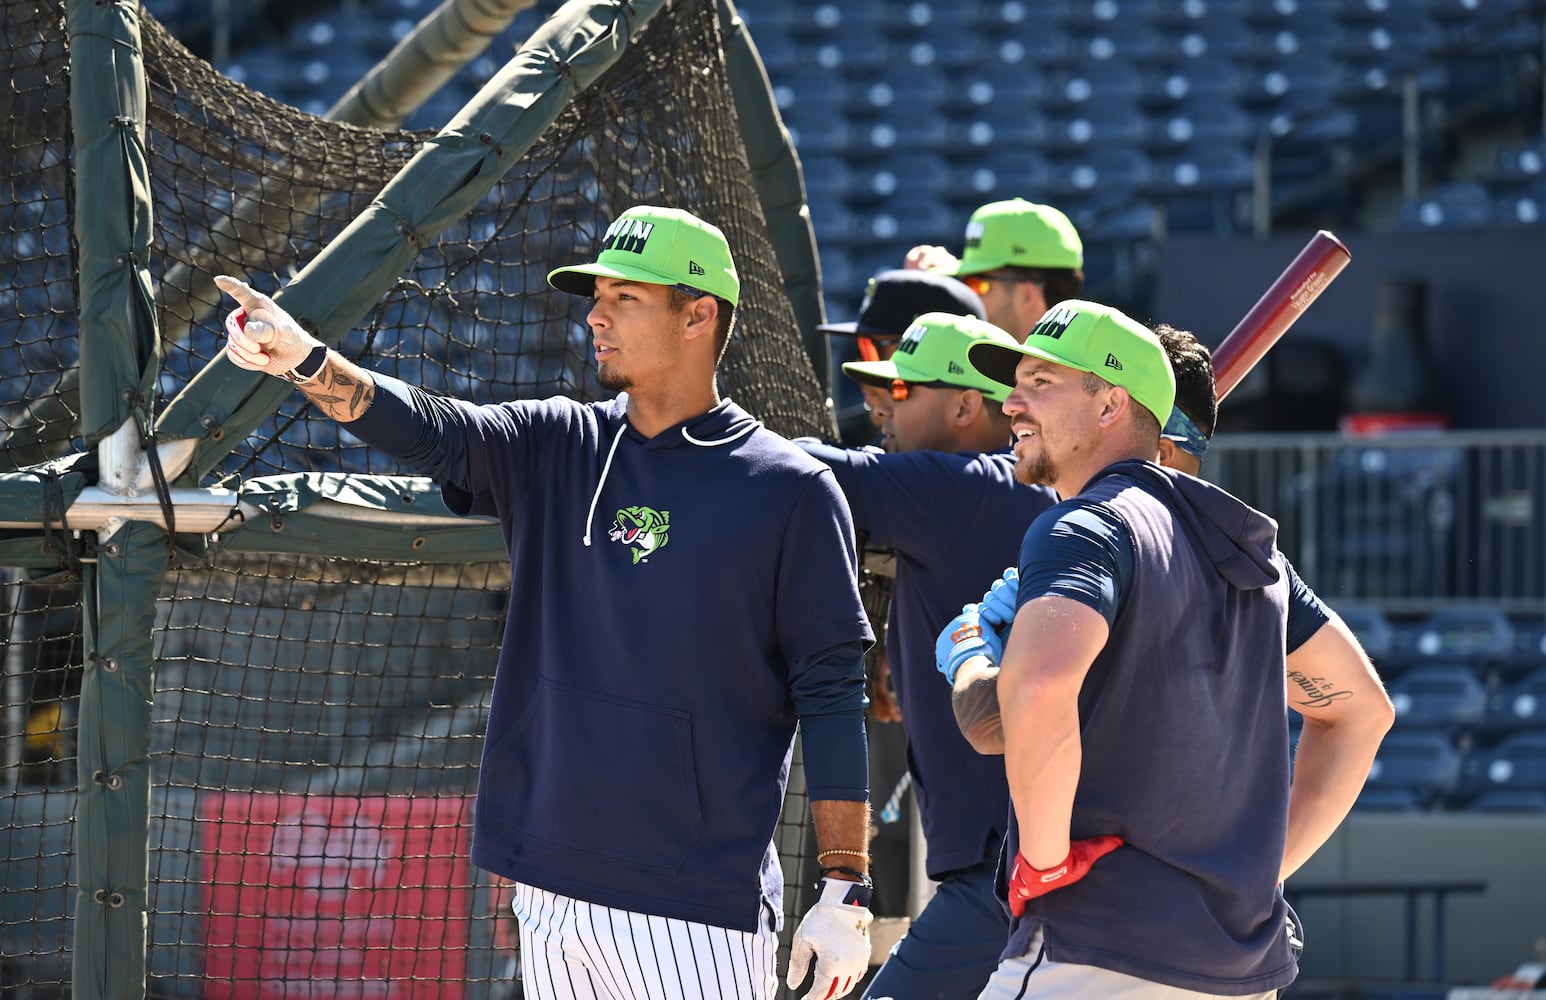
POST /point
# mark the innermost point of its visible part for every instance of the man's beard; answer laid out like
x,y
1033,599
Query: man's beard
x,y
1037,470
613,381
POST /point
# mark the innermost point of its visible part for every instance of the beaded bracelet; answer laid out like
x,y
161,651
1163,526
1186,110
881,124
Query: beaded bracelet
x,y
824,855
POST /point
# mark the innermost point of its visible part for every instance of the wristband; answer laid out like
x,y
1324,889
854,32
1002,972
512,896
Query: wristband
x,y
860,878
309,366
840,892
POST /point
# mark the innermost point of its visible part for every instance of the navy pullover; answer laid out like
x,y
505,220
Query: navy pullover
x,y
1183,717
676,604
950,518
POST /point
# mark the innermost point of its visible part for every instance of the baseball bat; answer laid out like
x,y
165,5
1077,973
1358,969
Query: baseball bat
x,y
1300,284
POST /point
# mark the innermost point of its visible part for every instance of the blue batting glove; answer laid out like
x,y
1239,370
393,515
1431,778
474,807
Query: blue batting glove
x,y
965,637
1001,601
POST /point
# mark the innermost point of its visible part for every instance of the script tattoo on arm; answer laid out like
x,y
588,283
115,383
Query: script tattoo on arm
x,y
975,702
1316,692
342,389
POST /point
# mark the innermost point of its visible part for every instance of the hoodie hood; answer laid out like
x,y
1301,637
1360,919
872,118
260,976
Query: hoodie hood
x,y
1238,539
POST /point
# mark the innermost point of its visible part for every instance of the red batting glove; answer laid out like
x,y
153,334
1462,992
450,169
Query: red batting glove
x,y
1026,882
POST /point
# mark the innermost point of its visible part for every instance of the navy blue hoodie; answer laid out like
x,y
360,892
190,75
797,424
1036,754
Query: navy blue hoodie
x,y
677,603
1183,719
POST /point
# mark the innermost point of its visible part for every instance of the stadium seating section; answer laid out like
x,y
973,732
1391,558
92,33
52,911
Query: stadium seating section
x,y
1138,117
1469,689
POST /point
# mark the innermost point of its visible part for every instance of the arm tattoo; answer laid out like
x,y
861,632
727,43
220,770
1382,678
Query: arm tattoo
x,y
977,713
1318,692
342,390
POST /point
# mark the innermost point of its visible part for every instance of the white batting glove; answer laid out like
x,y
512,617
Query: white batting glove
x,y
836,932
261,337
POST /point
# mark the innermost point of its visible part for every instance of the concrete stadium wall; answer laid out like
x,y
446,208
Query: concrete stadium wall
x,y
1488,935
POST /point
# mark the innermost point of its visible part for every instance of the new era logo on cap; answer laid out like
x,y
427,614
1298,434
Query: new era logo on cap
x,y
693,267
956,369
1112,362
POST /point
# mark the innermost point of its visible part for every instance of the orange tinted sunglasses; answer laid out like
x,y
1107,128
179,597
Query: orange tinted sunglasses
x,y
871,349
900,389
980,283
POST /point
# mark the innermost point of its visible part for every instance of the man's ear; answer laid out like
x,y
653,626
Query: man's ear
x,y
702,317
968,405
1118,402
1167,452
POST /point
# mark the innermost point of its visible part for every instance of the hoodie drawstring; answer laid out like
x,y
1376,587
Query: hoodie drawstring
x,y
596,497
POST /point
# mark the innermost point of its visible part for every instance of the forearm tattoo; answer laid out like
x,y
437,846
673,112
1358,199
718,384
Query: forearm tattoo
x,y
340,390
977,713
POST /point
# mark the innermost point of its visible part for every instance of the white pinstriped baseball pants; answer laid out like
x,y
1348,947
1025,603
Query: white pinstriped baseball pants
x,y
1034,976
574,950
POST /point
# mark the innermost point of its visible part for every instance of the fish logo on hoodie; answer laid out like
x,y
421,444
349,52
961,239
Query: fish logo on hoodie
x,y
644,529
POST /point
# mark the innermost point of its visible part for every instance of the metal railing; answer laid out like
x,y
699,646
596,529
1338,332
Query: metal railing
x,y
1409,521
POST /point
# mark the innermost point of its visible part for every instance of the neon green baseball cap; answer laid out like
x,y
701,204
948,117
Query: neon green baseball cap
x,y
1019,233
1091,338
658,246
933,350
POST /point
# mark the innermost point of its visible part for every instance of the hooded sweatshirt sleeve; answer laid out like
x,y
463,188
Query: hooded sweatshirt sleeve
x,y
824,632
466,448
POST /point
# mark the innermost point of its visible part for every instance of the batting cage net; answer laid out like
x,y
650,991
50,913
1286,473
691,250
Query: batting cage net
x,y
314,686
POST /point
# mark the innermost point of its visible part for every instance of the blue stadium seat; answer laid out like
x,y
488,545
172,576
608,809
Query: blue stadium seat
x,y
1165,85
1115,171
1522,207
895,92
908,219
969,134
1200,121
903,174
996,175
1465,205
1520,705
1423,762
1518,763
1093,84
994,87
1481,636
1370,626
827,178
1204,165
1096,126
1442,695
1520,163
1528,650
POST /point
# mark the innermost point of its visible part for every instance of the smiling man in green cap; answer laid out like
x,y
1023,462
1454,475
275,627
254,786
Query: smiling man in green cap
x,y
1020,257
683,593
1149,644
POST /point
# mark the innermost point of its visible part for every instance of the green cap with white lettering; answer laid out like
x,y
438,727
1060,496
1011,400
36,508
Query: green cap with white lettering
x,y
658,246
1090,338
1019,233
933,352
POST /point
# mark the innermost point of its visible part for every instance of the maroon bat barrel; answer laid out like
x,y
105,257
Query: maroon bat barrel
x,y
1321,260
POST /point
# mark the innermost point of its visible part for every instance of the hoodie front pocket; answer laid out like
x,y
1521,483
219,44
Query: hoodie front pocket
x,y
591,774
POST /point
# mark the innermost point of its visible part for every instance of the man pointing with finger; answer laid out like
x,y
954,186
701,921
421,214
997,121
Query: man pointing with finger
x,y
658,651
